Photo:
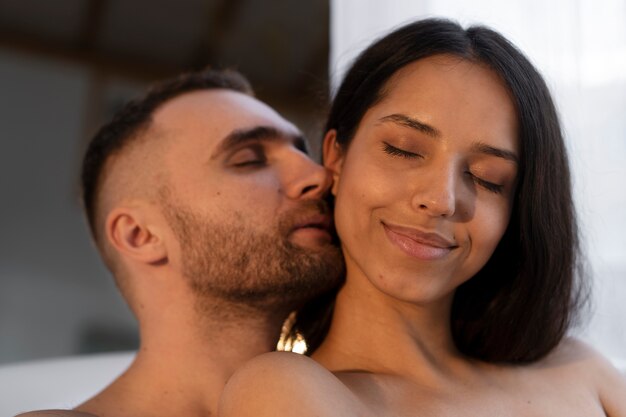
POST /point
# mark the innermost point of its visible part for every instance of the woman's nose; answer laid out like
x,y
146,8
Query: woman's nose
x,y
436,192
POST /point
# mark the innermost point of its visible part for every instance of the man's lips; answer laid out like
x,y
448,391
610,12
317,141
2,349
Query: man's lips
x,y
314,229
315,221
417,243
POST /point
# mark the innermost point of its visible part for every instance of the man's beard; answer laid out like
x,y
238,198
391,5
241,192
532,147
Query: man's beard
x,y
241,265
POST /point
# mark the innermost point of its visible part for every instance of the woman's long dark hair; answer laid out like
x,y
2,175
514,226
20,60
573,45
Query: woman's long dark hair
x,y
518,307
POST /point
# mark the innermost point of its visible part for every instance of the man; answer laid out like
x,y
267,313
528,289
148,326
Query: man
x,y
210,215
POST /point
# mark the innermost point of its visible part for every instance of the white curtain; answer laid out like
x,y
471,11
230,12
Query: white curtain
x,y
580,48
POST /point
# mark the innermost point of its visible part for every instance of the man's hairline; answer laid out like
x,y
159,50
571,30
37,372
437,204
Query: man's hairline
x,y
139,137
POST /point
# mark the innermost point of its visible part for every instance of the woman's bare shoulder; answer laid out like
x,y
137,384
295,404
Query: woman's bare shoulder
x,y
577,360
56,413
279,383
578,356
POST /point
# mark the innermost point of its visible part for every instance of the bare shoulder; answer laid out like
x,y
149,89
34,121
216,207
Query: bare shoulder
x,y
577,356
56,413
278,383
577,360
572,352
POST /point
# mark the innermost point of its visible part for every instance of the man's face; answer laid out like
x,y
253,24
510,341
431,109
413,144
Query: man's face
x,y
244,201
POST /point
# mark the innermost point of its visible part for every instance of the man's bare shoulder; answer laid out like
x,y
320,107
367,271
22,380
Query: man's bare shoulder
x,y
56,413
278,383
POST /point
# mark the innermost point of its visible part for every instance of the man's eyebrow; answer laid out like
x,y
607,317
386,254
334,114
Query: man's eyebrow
x,y
490,150
412,123
259,133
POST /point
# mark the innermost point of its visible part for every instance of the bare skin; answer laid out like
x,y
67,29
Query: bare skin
x,y
55,413
390,350
583,385
191,342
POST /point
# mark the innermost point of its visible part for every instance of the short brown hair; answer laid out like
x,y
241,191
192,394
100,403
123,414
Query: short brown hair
x,y
135,116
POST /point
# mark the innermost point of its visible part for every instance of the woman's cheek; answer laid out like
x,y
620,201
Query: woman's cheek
x,y
488,232
349,200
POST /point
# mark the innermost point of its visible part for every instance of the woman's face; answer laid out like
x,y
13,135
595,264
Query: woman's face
x,y
425,189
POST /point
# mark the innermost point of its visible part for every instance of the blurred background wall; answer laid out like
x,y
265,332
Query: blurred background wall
x,y
65,67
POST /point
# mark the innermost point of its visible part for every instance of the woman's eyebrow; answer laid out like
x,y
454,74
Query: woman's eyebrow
x,y
431,131
483,148
412,123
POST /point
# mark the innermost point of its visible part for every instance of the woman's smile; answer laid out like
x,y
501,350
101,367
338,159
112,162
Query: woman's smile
x,y
427,246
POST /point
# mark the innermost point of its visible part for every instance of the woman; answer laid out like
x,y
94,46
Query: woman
x,y
454,210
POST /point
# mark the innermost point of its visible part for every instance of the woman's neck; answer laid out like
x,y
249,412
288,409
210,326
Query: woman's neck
x,y
374,332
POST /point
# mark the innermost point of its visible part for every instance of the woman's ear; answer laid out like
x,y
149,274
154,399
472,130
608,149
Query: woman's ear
x,y
333,157
133,237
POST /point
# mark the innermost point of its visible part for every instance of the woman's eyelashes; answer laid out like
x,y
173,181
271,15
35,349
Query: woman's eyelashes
x,y
392,150
487,185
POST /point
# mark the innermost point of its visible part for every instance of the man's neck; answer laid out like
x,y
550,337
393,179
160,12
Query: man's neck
x,y
181,367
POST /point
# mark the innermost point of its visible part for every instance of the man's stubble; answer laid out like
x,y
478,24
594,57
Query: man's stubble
x,y
244,265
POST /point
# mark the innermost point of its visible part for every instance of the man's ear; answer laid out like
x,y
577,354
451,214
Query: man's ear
x,y
333,157
129,232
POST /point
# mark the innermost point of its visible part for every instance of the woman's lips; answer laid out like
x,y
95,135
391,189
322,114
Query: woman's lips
x,y
418,244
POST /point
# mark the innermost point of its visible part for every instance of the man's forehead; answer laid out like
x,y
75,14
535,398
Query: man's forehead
x,y
219,106
213,115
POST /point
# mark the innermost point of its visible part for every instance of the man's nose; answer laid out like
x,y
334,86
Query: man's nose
x,y
307,179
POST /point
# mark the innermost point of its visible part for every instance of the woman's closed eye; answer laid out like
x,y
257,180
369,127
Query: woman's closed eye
x,y
489,186
394,151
